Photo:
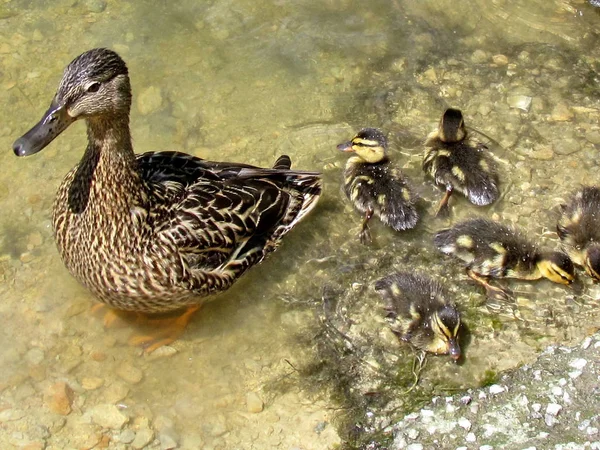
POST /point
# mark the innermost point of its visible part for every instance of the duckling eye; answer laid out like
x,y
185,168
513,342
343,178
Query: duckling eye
x,y
93,87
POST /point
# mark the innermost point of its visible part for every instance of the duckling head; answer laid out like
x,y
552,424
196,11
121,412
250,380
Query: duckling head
x,y
370,144
591,262
94,85
557,267
452,126
445,324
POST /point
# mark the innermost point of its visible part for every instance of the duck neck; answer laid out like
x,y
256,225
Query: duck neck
x,y
107,177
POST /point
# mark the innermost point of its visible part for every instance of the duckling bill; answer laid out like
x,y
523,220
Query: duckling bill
x,y
421,313
579,229
492,250
375,186
158,231
458,163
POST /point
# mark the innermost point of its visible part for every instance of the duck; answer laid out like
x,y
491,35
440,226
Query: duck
x,y
421,313
493,250
456,162
159,231
375,186
579,229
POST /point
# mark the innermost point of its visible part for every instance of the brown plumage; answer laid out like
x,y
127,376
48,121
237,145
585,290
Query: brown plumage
x,y
458,163
158,231
375,186
579,229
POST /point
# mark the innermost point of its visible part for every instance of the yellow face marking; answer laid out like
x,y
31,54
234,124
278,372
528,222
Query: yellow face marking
x,y
497,247
458,173
484,165
465,241
406,194
381,198
395,290
551,271
414,313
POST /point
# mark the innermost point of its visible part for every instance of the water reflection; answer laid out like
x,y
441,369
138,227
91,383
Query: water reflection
x,y
303,333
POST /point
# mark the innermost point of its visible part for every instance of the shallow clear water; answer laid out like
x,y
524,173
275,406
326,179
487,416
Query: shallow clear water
x,y
304,332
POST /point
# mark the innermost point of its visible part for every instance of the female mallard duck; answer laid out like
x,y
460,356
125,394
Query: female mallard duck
x,y
157,232
375,186
421,313
579,229
458,163
492,250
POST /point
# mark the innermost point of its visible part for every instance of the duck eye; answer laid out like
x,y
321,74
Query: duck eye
x,y
93,87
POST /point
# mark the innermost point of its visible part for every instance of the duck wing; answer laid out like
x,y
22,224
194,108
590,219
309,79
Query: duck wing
x,y
223,218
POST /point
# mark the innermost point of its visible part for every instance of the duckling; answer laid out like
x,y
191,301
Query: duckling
x,y
579,229
421,313
492,250
458,163
375,186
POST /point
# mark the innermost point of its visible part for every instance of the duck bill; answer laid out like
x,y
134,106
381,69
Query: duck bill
x,y
54,122
345,147
454,350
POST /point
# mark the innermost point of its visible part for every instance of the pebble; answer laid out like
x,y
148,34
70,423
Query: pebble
x,y
167,441
486,447
108,416
479,57
95,6
500,60
414,447
496,389
130,373
254,403
578,363
9,415
566,146
127,436
575,374
59,398
162,352
412,434
557,391
522,102
586,343
553,409
470,437
536,407
150,100
561,113
464,423
143,437
35,356
91,383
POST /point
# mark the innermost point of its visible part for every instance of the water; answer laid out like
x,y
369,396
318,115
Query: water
x,y
247,81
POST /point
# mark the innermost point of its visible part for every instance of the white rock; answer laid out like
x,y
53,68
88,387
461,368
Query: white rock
x,y
486,447
143,437
427,413
557,391
578,363
496,389
562,381
470,437
522,102
414,447
465,400
412,434
550,420
465,423
450,408
108,416
591,431
575,374
536,407
482,395
553,409
586,343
